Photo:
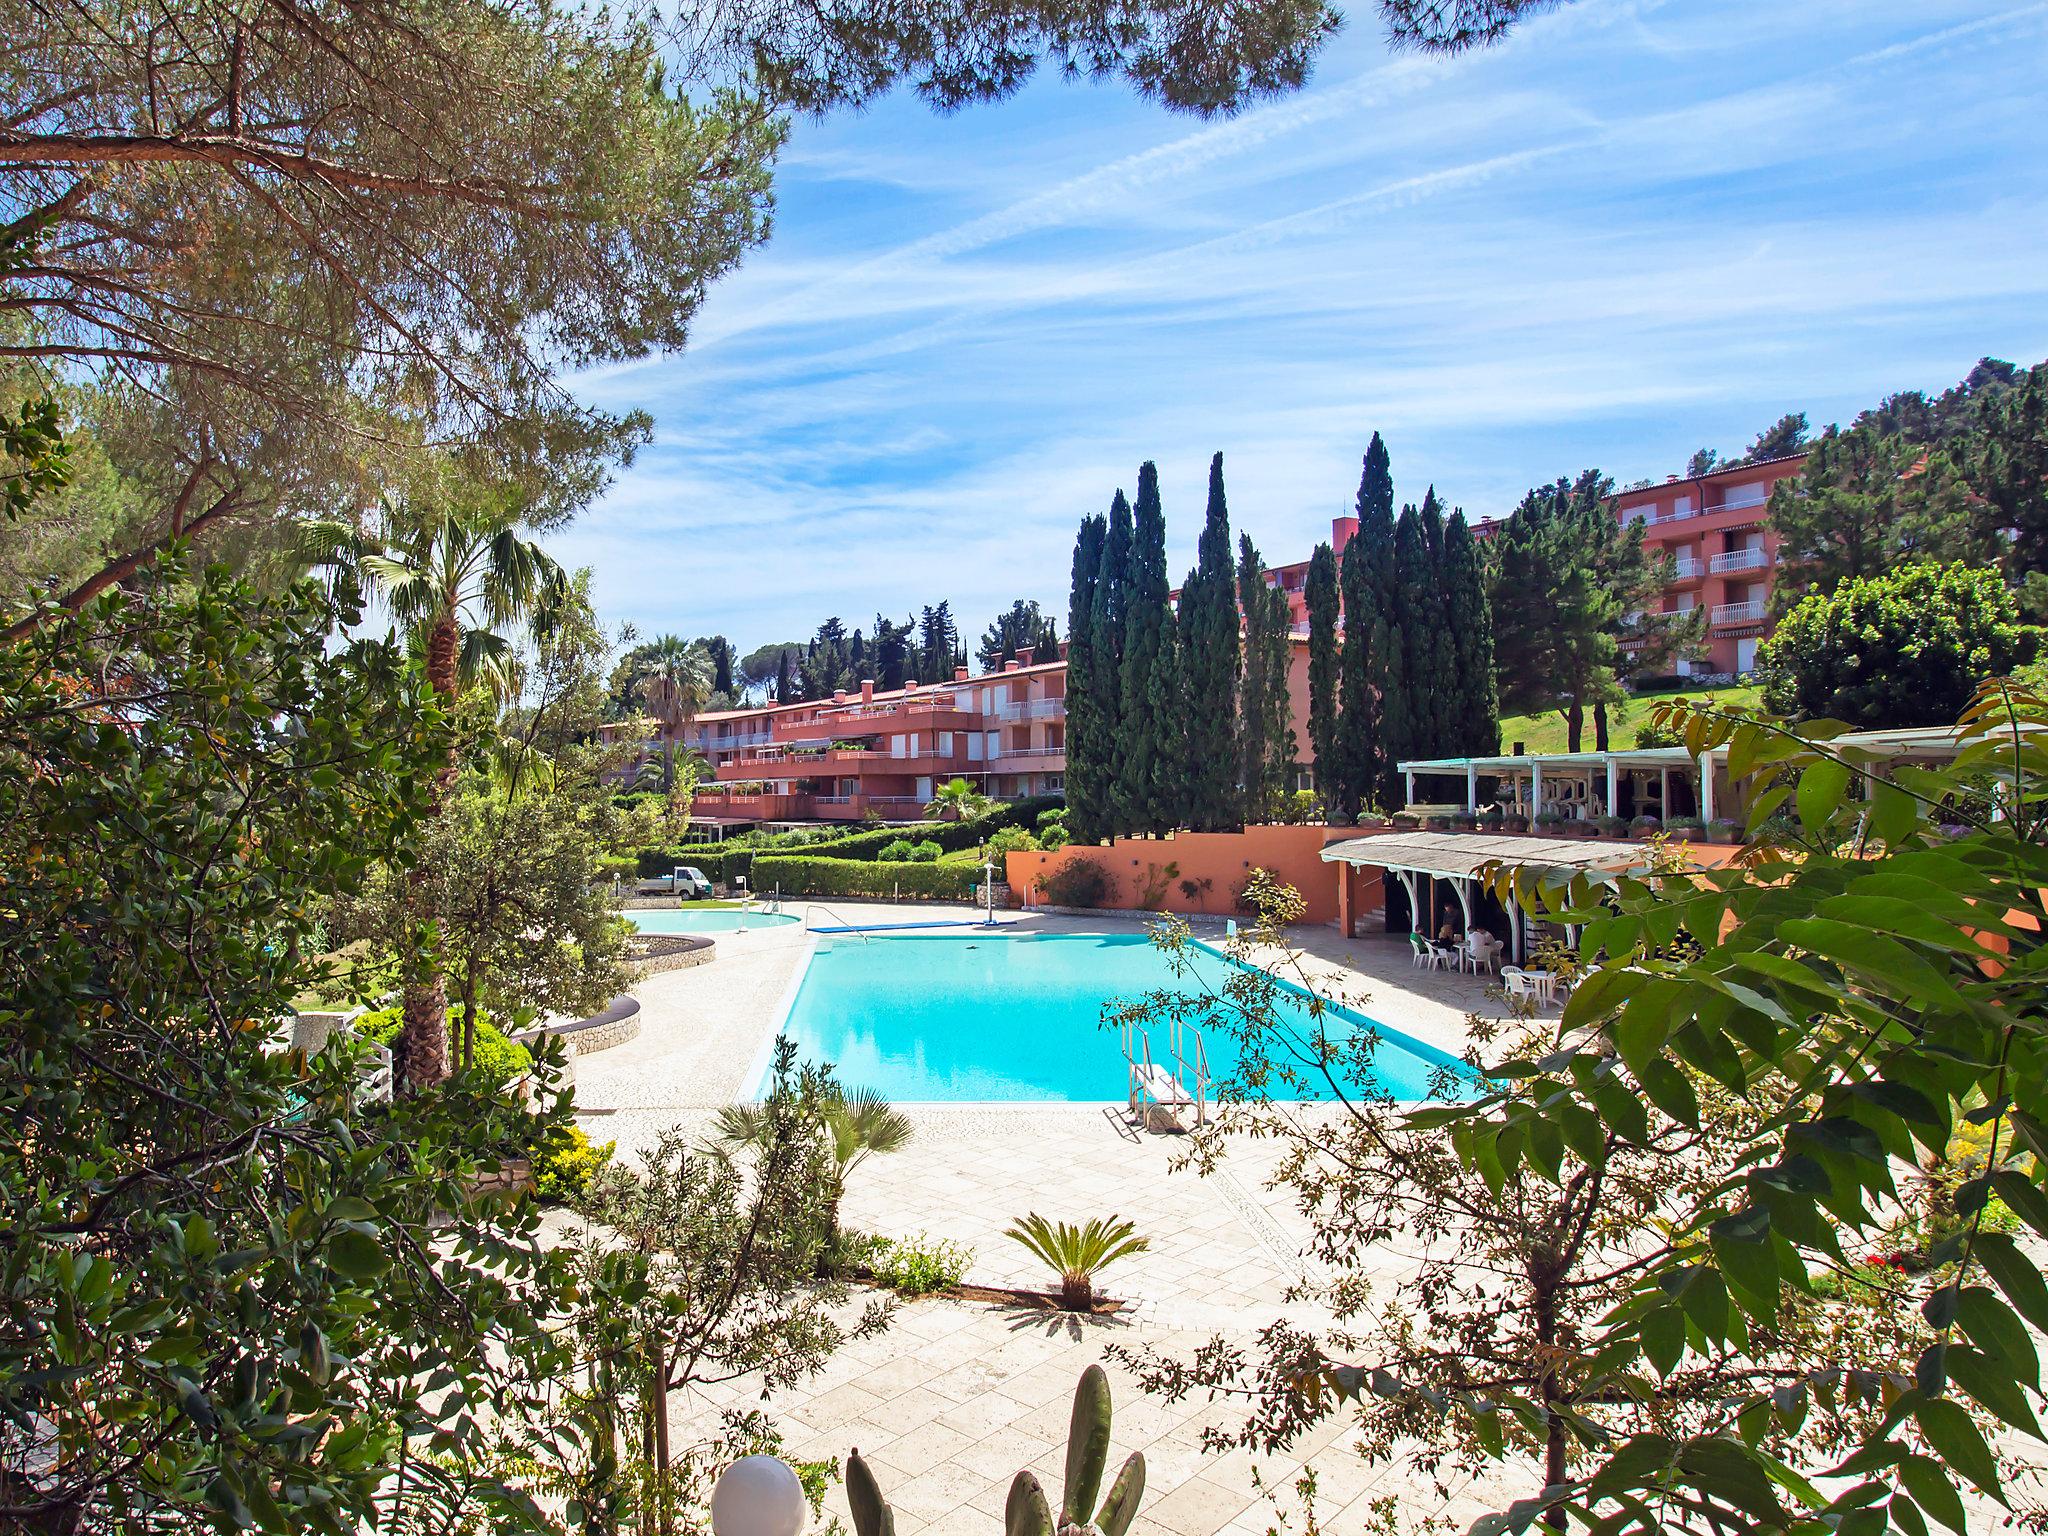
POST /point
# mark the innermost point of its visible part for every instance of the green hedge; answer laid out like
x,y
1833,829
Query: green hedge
x,y
724,862
804,876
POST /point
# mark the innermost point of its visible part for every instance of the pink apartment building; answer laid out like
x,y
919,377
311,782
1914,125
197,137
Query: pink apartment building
x,y
884,754
1714,528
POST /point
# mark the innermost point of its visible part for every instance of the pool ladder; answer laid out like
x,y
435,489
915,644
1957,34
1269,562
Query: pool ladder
x,y
819,906
1170,1093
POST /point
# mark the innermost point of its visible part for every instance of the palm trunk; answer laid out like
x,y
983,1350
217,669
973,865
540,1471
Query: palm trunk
x,y
422,1055
1574,725
1600,727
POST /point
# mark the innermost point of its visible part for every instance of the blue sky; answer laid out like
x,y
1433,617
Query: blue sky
x,y
1634,229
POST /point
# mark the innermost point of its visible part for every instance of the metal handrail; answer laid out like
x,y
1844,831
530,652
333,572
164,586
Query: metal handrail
x,y
819,906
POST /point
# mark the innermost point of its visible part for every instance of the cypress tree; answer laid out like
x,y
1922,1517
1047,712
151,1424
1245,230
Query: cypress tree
x,y
1425,650
1254,693
1167,699
1087,746
1112,595
1142,747
1324,663
1210,656
1266,729
1372,702
1475,704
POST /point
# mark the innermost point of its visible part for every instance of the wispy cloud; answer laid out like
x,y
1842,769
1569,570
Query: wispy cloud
x,y
1636,229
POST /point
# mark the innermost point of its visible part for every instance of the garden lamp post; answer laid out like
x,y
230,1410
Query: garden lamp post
x,y
758,1496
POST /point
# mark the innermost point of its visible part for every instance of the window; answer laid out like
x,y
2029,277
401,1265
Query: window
x,y
974,746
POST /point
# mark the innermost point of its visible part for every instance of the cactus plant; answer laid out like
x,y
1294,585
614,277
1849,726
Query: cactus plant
x,y
1027,1511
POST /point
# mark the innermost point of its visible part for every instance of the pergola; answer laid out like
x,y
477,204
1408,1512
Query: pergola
x,y
1571,777
1458,857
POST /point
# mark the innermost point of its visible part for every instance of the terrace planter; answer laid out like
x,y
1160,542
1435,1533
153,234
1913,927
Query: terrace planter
x,y
1464,823
1514,823
1401,822
1611,826
1686,826
1645,826
1723,830
1439,823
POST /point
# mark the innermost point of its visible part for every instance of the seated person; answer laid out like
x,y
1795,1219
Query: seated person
x,y
1448,933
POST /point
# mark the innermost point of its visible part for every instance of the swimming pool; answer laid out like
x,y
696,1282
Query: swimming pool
x,y
992,1018
706,920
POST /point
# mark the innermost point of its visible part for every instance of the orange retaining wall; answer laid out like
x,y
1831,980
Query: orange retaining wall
x,y
1223,859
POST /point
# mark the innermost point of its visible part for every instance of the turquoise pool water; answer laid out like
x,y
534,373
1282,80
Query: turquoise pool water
x,y
987,1017
706,920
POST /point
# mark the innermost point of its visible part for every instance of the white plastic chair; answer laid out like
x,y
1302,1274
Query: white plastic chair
x,y
1482,950
1520,983
1426,956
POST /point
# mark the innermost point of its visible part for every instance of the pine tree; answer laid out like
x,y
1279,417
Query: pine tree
x,y
1142,758
1324,664
1476,709
1088,747
1109,616
1210,655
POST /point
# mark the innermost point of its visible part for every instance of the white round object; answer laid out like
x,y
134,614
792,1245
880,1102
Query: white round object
x,y
758,1496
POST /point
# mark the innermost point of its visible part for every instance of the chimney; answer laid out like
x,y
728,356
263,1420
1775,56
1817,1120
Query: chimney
x,y
1024,653
1671,479
960,674
838,695
1341,529
867,690
1063,650
1010,665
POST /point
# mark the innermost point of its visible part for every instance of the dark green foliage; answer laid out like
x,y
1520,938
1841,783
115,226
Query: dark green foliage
x,y
938,644
1090,740
1149,757
889,653
212,1244
807,875
1786,435
1475,710
720,650
1266,718
1863,504
1019,626
727,861
498,1061
1371,693
1908,648
1210,670
2005,464
1426,655
1110,619
1325,662
1575,596
1166,700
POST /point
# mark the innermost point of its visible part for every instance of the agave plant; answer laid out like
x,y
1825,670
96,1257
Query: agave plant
x,y
1078,1254
1027,1512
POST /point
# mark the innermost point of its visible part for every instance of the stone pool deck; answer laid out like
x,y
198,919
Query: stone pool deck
x,y
957,1396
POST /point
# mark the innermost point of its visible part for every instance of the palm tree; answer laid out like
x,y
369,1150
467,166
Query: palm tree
x,y
675,684
959,800
857,1122
455,574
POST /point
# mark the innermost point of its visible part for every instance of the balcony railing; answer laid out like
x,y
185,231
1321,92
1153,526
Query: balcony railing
x,y
1739,560
1685,568
1739,613
711,743
1740,503
1032,709
1009,754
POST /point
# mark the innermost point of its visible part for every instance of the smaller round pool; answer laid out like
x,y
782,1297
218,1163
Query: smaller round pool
x,y
707,920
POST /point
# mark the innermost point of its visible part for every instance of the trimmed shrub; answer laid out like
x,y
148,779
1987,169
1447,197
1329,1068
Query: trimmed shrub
x,y
1055,837
904,851
498,1060
1076,883
809,876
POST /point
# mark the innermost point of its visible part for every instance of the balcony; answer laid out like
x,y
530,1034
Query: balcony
x,y
1751,612
1740,503
1677,514
1739,560
709,743
1030,754
1686,568
1033,709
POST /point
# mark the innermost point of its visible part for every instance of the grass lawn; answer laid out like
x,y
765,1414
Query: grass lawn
x,y
1546,733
